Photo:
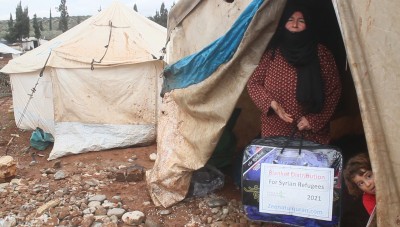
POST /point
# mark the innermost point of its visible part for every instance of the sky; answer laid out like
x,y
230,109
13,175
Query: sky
x,y
77,7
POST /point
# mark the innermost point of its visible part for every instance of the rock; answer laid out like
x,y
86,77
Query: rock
x,y
153,156
146,203
100,211
94,204
215,210
52,221
134,173
225,210
164,212
87,220
8,221
64,212
16,182
99,198
76,221
89,210
133,218
8,168
4,185
107,204
32,163
130,174
114,219
92,182
100,218
59,175
116,211
218,202
116,199
44,207
219,224
110,224
57,164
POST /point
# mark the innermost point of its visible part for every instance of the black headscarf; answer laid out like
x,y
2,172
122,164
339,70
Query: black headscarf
x,y
300,49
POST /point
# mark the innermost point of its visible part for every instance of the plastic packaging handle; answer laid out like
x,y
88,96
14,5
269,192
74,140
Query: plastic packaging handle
x,y
291,137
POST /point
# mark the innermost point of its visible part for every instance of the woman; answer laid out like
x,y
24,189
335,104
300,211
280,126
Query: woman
x,y
296,83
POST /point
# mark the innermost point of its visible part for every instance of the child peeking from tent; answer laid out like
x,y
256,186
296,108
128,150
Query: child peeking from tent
x,y
359,180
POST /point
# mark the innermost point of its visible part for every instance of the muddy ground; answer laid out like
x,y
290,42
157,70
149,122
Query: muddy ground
x,y
22,202
99,166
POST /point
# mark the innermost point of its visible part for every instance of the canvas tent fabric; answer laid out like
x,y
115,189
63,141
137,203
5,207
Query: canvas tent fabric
x,y
8,50
100,85
198,67
194,117
4,49
197,113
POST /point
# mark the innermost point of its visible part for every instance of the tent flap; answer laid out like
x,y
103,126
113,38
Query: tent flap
x,y
194,117
197,67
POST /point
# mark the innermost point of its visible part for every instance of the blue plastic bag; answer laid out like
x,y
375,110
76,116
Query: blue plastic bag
x,y
40,140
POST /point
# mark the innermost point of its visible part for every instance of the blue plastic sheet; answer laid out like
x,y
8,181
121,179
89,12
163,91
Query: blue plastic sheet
x,y
197,67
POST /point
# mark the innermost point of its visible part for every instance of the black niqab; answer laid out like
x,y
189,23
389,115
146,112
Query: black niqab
x,y
300,49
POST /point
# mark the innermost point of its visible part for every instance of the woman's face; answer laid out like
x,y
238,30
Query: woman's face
x,y
296,22
365,182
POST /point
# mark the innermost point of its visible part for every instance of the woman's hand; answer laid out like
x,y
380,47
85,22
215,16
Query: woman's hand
x,y
281,112
303,124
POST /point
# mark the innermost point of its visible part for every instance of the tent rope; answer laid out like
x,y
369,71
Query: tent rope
x,y
33,91
106,46
27,103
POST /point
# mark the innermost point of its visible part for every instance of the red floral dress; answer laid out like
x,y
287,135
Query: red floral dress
x,y
275,79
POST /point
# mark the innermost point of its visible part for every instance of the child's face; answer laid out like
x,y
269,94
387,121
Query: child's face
x,y
365,182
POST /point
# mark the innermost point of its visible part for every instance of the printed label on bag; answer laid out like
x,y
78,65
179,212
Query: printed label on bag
x,y
297,190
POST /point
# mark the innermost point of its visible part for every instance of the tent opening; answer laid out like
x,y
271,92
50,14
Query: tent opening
x,y
346,126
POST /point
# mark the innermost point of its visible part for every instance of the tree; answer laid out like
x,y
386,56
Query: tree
x,y
11,35
50,22
11,22
64,17
135,8
41,25
36,27
161,16
22,23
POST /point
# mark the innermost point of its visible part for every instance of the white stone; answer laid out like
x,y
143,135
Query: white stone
x,y
9,221
94,204
133,218
153,156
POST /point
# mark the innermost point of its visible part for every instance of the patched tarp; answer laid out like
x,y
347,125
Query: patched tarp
x,y
193,118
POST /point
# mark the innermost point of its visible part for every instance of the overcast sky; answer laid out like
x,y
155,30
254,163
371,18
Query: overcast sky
x,y
77,7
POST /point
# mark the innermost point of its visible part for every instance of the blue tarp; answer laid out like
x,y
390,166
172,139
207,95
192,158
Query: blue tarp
x,y
199,66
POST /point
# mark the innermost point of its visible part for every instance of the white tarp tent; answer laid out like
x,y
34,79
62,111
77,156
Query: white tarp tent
x,y
194,117
100,84
4,49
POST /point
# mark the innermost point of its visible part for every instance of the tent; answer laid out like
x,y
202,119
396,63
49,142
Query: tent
x,y
97,85
198,109
4,49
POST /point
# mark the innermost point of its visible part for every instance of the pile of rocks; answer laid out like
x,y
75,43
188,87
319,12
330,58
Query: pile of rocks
x,y
59,198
